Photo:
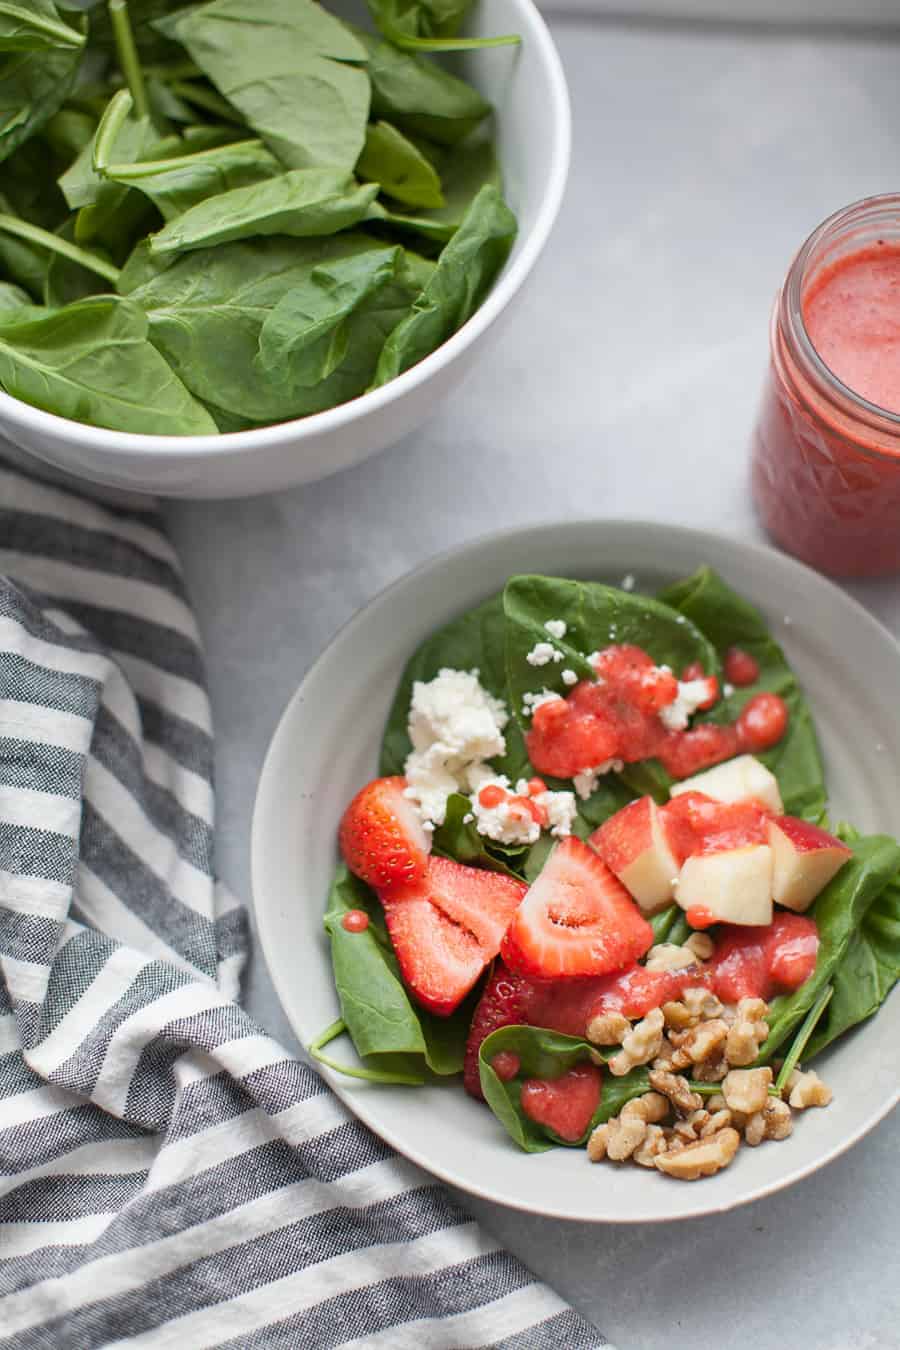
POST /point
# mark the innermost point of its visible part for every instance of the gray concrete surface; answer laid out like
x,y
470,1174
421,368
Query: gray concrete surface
x,y
626,388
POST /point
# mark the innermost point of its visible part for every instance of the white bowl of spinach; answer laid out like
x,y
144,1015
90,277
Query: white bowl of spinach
x,y
248,243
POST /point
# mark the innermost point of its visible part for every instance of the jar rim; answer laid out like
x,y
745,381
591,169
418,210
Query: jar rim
x,y
791,307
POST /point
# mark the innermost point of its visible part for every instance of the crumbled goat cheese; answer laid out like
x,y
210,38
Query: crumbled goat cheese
x,y
728,690
454,724
542,653
691,693
585,783
505,823
557,628
531,702
628,582
569,677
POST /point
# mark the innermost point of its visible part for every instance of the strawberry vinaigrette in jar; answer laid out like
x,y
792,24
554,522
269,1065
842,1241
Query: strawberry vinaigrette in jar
x,y
826,450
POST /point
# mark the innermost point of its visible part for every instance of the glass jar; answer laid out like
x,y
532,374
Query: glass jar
x,y
825,461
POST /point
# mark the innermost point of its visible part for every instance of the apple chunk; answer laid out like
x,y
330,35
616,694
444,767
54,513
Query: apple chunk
x,y
636,844
737,780
805,859
732,886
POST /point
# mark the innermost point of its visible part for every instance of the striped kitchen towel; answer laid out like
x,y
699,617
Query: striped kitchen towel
x,y
169,1175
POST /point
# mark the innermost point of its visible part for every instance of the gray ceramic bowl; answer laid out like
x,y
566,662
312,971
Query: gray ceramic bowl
x,y
326,747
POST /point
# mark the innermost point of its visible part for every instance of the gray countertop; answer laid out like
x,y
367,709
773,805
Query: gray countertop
x,y
626,387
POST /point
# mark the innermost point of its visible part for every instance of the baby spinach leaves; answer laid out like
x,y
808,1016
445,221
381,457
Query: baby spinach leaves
x,y
388,1031
292,70
401,169
302,203
92,361
729,620
465,271
242,121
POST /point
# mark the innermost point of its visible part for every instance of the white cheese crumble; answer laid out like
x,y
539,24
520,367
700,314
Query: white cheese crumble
x,y
691,693
504,823
628,582
542,653
531,702
509,823
569,677
454,725
728,690
557,628
585,783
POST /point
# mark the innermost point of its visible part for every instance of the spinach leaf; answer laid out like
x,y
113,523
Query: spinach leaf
x,y
301,203
465,170
866,973
595,616
66,279
399,166
181,181
375,1006
91,361
207,310
434,231
726,619
13,298
108,212
22,261
465,272
305,336
35,27
838,912
429,25
418,96
34,84
292,69
546,1054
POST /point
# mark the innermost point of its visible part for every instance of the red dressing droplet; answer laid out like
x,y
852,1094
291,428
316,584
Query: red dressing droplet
x,y
355,921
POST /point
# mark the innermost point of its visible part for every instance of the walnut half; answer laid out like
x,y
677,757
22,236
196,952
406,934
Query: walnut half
x,y
702,1159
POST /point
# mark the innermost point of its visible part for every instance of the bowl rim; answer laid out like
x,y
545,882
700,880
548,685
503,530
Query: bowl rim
x,y
436,562
133,444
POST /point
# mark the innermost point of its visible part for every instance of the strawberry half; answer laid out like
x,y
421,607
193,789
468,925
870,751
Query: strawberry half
x,y
577,919
381,836
446,927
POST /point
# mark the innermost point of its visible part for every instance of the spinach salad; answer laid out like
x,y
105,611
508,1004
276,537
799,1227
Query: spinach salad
x,y
693,623
235,213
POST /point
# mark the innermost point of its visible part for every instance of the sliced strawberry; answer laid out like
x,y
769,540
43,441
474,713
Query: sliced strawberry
x,y
381,836
506,1001
565,1105
446,927
577,919
683,753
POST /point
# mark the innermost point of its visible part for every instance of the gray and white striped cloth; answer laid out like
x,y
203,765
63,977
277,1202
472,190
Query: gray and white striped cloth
x,y
169,1175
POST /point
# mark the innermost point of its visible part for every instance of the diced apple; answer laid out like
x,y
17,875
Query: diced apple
x,y
737,780
734,886
636,844
805,859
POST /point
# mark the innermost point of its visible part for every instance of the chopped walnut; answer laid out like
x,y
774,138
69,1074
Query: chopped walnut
x,y
677,1016
625,1134
596,1145
701,1003
715,1103
676,1088
807,1089
608,1028
651,1107
706,1040
654,1143
643,1043
669,956
701,1159
747,1090
702,945
718,1120
747,1032
779,1121
712,1070
755,1129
